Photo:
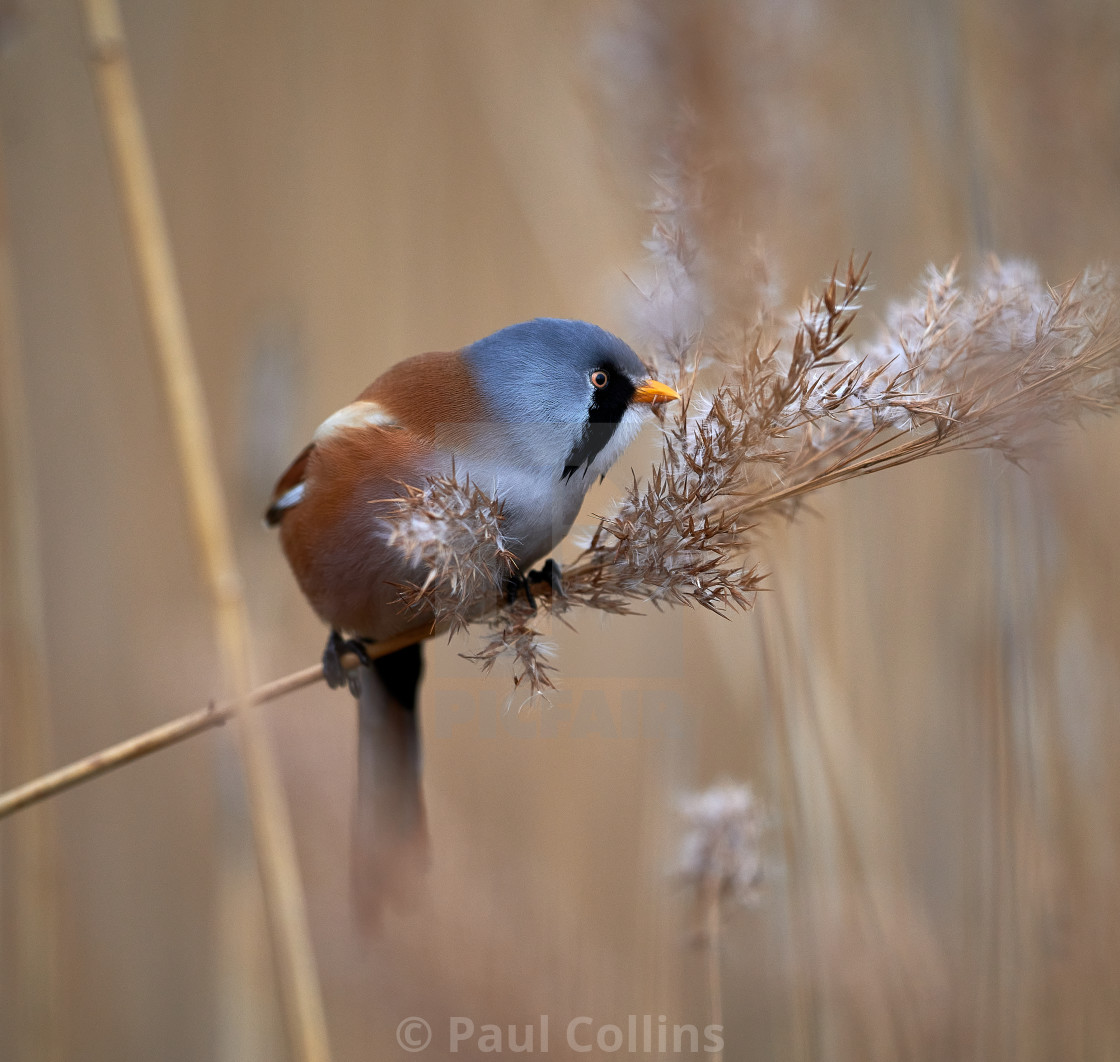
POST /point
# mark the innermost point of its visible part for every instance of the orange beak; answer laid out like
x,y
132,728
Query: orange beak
x,y
653,392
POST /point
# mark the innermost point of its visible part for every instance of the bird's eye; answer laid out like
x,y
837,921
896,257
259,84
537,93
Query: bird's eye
x,y
599,379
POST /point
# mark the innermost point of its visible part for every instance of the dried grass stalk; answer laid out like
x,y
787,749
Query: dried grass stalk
x,y
166,319
30,894
720,857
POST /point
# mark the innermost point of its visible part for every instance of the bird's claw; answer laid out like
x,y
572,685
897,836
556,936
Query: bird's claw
x,y
515,584
335,674
518,583
550,574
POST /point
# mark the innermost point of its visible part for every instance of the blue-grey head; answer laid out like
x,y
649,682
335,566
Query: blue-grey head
x,y
567,394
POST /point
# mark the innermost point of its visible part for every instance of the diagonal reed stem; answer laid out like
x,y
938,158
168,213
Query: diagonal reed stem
x,y
159,737
186,726
166,319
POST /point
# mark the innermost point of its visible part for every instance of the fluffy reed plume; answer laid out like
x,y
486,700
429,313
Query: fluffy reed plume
x,y
454,532
772,412
720,852
513,635
721,858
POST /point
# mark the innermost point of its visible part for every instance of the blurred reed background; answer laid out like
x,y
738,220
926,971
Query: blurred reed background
x,y
926,698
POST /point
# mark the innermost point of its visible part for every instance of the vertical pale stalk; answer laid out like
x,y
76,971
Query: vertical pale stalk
x,y
1018,665
713,947
804,1028
166,320
29,893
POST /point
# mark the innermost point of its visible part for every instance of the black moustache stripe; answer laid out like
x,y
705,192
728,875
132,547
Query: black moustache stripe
x,y
608,404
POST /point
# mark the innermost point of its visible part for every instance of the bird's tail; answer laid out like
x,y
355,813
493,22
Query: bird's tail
x,y
390,848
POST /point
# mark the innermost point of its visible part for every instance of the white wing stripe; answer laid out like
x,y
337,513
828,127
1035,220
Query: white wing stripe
x,y
355,415
289,498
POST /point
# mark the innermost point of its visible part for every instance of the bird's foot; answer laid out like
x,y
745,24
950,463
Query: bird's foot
x,y
519,583
336,675
550,574
515,584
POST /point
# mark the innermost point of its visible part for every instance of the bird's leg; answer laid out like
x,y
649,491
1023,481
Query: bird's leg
x,y
550,574
332,661
333,671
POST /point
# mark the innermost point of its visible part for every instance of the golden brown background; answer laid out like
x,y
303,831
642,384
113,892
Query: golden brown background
x,y
927,699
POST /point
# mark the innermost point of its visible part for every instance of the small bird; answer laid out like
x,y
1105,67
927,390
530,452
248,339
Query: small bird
x,y
532,415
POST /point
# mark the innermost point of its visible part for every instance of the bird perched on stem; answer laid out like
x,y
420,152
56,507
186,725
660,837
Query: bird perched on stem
x,y
531,415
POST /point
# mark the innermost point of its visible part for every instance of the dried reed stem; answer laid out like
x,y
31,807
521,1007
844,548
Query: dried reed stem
x,y
166,319
779,696
713,953
160,737
29,887
171,733
721,857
